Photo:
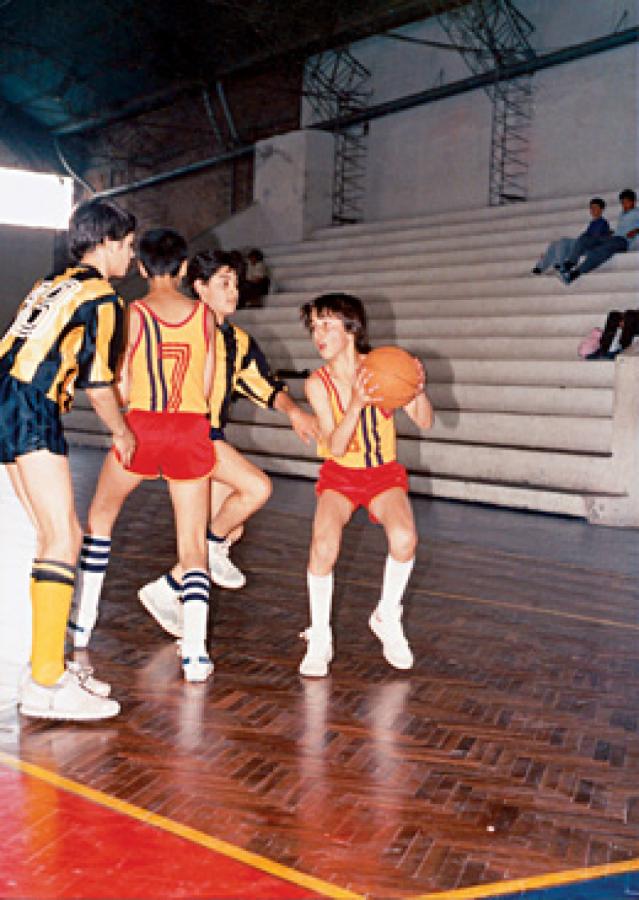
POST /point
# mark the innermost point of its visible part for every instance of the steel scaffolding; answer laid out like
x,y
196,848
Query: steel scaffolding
x,y
491,35
337,85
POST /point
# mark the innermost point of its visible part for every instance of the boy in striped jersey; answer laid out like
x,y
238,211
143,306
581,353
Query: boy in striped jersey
x,y
238,488
166,382
67,333
359,469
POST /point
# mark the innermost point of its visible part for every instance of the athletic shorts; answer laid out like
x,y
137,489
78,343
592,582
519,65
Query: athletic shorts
x,y
175,446
361,486
29,421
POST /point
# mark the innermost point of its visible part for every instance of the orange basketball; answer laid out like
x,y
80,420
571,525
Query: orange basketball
x,y
395,375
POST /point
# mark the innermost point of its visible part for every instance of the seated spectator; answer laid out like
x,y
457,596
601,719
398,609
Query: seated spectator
x,y
560,250
624,326
598,250
257,280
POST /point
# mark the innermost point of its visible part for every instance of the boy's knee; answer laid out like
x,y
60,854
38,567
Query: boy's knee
x,y
402,542
323,555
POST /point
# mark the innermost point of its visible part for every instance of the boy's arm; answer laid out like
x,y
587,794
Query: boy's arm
x,y
134,329
420,409
209,369
305,426
105,402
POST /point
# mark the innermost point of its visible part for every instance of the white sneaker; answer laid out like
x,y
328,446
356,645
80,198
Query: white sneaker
x,y
221,569
163,603
196,668
84,674
67,700
395,647
319,653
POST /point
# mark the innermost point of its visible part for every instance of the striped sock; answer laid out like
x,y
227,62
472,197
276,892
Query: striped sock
x,y
51,591
195,597
94,559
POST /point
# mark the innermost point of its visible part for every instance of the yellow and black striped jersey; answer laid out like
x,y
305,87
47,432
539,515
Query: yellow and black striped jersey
x,y
373,442
241,369
67,333
167,364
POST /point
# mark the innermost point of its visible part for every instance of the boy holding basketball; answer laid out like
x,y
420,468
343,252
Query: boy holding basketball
x,y
360,469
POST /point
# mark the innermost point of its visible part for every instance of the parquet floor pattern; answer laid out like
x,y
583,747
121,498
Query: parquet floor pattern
x,y
511,749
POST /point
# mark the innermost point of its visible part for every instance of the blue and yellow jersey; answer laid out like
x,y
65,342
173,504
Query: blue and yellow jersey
x,y
373,442
168,361
67,333
240,370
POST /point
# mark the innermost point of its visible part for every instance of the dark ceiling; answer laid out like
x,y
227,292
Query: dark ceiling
x,y
66,65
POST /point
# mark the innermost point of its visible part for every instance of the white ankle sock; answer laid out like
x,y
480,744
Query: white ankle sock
x,y
320,594
396,575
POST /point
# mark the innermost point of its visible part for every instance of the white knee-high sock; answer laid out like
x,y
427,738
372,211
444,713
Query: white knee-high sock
x,y
195,599
396,575
320,595
94,560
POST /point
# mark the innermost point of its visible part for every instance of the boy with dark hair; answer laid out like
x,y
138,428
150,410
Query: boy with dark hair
x,y
67,333
342,394
560,250
599,251
238,488
166,382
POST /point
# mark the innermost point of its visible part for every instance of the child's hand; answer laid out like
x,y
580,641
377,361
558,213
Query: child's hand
x,y
365,391
305,426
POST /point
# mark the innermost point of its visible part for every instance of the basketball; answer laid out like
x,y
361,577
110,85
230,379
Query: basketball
x,y
395,374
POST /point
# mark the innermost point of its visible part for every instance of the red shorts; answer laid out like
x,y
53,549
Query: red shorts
x,y
361,486
174,445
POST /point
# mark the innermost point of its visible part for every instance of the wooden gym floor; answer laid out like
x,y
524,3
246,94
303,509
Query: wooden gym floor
x,y
505,764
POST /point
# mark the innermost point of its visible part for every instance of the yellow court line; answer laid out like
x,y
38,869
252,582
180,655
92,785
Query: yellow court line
x,y
184,831
552,880
465,598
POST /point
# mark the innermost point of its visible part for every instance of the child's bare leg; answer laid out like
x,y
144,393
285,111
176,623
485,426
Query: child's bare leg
x,y
332,514
114,485
393,511
191,506
45,481
251,488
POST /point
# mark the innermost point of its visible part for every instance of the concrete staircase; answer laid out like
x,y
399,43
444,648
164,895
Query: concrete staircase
x,y
520,420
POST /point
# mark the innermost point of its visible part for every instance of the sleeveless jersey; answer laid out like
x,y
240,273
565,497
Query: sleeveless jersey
x,y
373,442
240,369
67,333
168,361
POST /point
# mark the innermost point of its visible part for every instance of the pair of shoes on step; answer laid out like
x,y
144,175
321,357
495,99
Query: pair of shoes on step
x,y
75,697
388,630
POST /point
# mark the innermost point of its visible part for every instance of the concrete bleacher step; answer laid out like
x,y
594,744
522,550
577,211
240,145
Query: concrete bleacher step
x,y
344,244
513,465
501,429
381,308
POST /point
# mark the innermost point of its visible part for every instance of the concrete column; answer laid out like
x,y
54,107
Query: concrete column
x,y
623,510
293,183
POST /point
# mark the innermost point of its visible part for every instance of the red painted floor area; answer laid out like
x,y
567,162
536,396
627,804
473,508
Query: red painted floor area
x,y
56,845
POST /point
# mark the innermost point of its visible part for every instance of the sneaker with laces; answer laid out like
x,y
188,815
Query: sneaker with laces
x,y
196,668
221,569
67,700
84,675
395,647
319,653
163,603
